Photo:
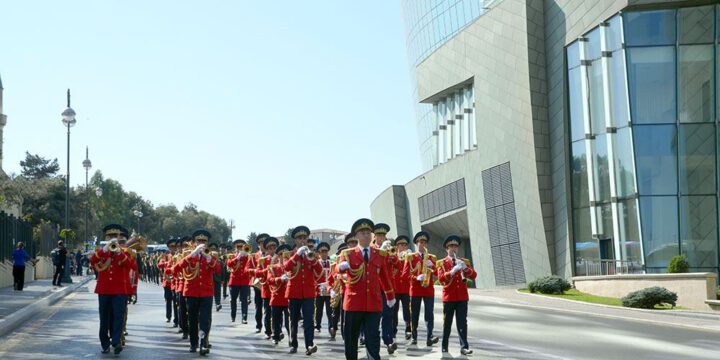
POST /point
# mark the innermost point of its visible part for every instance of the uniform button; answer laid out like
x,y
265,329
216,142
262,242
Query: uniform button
x,y
110,279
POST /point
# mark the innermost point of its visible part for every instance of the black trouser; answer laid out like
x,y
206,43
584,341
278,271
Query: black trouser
x,y
183,314
267,316
279,313
217,292
258,308
459,309
79,269
168,302
404,301
306,306
224,287
320,303
415,302
18,277
199,314
338,317
112,318
243,292
176,306
57,277
369,324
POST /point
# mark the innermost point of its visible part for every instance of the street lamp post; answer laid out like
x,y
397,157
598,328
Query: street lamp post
x,y
98,193
87,165
68,119
139,215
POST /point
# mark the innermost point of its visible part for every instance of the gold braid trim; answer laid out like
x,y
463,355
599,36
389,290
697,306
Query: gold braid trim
x,y
99,267
273,288
192,273
296,270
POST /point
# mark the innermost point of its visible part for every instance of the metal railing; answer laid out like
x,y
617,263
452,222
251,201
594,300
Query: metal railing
x,y
13,230
595,267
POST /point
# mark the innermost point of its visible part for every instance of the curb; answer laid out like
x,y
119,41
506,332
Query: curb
x,y
13,321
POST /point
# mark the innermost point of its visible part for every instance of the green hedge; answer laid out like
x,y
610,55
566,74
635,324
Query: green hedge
x,y
549,285
649,297
678,264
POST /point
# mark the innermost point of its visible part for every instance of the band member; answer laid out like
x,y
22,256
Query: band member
x,y
111,266
217,278
304,269
368,273
251,267
336,284
452,272
322,301
227,253
165,264
260,274
132,274
380,231
198,268
239,280
420,267
186,246
402,286
277,279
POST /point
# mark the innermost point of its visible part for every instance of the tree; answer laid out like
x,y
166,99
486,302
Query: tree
x,y
37,167
252,240
288,237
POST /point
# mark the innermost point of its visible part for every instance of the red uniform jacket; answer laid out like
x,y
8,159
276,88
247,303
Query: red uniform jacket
x,y
366,280
165,266
304,276
112,270
454,286
198,274
132,271
236,268
324,278
400,284
260,272
411,270
277,286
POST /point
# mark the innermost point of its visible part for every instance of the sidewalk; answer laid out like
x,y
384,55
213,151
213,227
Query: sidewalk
x,y
684,318
18,306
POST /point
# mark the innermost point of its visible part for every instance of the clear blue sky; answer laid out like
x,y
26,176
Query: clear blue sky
x,y
272,113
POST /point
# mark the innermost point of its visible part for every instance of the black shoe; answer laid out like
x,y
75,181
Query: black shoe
x,y
267,337
233,319
333,332
362,341
167,321
126,333
407,335
117,350
413,342
209,346
275,341
466,351
105,350
391,348
318,330
445,350
332,338
257,331
311,350
180,331
244,321
193,349
282,336
185,336
432,341
293,350
218,307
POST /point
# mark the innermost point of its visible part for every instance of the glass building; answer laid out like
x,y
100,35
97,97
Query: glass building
x,y
642,105
428,25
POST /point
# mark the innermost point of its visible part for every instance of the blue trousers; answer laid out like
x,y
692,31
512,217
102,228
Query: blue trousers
x,y
415,302
459,310
368,322
258,308
279,314
386,323
244,293
112,317
307,307
199,316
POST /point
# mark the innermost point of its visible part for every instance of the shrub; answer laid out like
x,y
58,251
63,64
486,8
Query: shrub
x,y
549,285
649,297
678,264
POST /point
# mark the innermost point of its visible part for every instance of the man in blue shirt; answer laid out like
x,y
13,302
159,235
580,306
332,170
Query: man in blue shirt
x,y
19,258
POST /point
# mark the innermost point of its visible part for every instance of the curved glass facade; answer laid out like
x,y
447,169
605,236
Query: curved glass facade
x,y
428,25
642,100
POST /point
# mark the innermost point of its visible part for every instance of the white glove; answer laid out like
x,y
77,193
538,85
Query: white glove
x,y
323,287
429,263
106,248
390,303
198,250
455,269
285,278
386,245
240,255
208,257
332,293
463,266
302,250
344,266
421,277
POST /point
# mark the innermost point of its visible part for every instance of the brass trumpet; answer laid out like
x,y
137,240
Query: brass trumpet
x,y
137,243
246,248
113,246
392,250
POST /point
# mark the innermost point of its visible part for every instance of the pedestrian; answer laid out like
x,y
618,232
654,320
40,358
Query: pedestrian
x,y
452,272
59,256
20,256
79,262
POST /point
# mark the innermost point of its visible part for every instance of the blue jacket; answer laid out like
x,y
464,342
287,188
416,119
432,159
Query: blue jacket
x,y
20,257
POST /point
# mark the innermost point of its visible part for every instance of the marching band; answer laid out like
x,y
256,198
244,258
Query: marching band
x,y
361,291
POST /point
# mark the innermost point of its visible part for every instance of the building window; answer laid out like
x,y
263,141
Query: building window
x,y
456,124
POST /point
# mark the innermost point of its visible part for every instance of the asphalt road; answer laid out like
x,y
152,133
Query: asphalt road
x,y
69,330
